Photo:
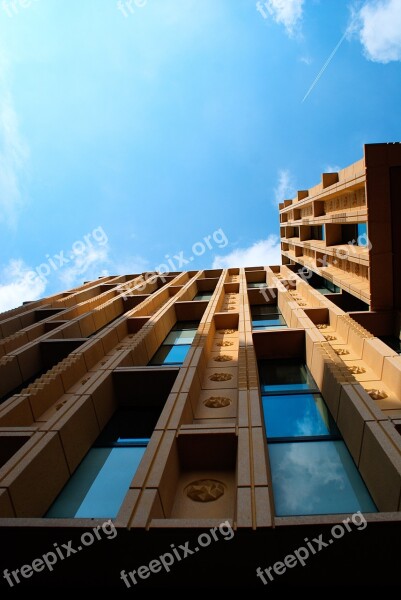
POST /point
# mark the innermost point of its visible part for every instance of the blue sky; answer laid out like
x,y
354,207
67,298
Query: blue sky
x,y
132,131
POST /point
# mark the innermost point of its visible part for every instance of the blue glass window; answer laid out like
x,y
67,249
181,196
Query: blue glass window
x,y
98,486
170,355
180,337
288,375
297,416
265,309
176,345
266,316
182,325
316,478
362,234
266,321
312,470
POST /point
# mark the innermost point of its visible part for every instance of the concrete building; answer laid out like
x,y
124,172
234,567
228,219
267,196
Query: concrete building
x,y
263,402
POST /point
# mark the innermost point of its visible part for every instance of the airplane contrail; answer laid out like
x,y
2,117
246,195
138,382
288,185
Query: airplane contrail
x,y
326,64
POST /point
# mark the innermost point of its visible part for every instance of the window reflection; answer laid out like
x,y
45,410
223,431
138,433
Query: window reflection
x,y
98,486
311,478
176,345
264,317
203,296
312,470
302,415
285,375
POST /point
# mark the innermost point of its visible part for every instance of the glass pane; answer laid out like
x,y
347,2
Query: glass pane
x,y
180,337
268,309
316,478
203,296
170,355
98,486
127,425
317,232
324,286
300,415
286,375
362,234
323,290
266,321
181,325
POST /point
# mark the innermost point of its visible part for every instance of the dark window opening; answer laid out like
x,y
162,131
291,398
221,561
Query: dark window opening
x,y
317,232
392,341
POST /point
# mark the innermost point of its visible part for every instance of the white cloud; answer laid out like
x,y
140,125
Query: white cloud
x,y
297,468
19,284
331,169
91,264
285,188
378,26
307,60
262,253
284,12
13,153
131,265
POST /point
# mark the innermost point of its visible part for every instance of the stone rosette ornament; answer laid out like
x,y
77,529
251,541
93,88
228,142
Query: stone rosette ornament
x,y
341,351
222,358
217,402
205,490
220,377
355,370
377,394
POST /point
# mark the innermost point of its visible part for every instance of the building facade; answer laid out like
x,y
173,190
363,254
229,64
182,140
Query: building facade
x,y
266,399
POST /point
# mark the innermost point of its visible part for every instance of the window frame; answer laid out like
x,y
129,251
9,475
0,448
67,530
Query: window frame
x,y
269,315
333,437
179,326
285,363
